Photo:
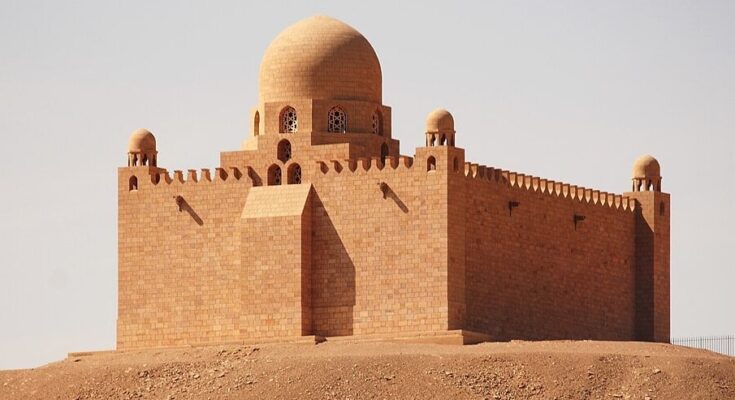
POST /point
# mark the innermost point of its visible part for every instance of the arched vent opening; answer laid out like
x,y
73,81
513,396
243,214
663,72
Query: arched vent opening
x,y
337,120
284,150
256,124
384,152
431,164
274,175
294,174
289,120
133,183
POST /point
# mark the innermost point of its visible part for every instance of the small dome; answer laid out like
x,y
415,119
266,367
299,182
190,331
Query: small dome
x,y
320,58
440,120
142,141
646,167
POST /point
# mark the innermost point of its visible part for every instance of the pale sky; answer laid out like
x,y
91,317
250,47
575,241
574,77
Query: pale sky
x,y
566,90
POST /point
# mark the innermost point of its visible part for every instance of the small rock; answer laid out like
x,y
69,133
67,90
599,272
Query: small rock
x,y
656,371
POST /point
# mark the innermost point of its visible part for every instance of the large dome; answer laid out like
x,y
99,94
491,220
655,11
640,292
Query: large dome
x,y
320,58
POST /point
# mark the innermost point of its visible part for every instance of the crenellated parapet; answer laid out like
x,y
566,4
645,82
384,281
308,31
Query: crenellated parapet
x,y
549,187
160,177
336,167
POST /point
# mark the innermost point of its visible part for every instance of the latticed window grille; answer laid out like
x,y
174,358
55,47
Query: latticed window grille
x,y
289,120
377,128
337,120
295,174
277,176
274,175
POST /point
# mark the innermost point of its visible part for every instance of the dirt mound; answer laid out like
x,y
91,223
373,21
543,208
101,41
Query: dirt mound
x,y
381,370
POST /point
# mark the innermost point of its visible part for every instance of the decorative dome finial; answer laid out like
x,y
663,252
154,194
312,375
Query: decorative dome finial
x,y
142,149
646,174
440,128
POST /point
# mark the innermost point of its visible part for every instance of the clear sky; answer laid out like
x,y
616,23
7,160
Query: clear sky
x,y
566,90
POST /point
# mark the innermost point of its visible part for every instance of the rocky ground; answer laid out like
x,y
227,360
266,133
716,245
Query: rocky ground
x,y
382,370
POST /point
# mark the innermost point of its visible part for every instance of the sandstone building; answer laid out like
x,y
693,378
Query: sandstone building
x,y
319,228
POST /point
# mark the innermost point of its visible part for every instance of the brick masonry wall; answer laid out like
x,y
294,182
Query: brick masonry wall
x,y
652,260
531,275
379,252
400,248
178,271
276,247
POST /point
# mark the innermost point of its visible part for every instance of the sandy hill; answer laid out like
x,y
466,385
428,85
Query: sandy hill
x,y
381,370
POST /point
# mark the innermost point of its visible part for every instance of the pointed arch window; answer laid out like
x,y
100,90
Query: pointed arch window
x,y
337,120
274,175
284,150
294,174
289,120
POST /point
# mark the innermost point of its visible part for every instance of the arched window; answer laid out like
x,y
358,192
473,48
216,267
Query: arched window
x,y
377,123
133,183
274,175
431,164
256,124
284,150
289,120
294,174
337,120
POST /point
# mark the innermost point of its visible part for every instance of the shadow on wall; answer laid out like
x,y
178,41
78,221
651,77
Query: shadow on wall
x,y
644,312
332,279
184,206
388,193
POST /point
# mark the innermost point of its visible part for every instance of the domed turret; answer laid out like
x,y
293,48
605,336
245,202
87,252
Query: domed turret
x,y
440,128
646,174
142,149
320,58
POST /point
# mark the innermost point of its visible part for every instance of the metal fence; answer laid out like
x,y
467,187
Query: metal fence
x,y
718,344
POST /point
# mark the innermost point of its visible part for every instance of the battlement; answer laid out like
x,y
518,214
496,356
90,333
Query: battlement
x,y
160,177
522,181
365,164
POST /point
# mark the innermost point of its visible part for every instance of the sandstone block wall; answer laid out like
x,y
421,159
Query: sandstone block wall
x,y
276,244
426,244
532,273
179,264
379,250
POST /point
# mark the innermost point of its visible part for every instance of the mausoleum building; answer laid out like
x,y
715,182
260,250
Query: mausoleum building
x,y
318,228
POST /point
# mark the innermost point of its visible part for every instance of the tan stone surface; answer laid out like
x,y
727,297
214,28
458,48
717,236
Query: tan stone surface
x,y
371,243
